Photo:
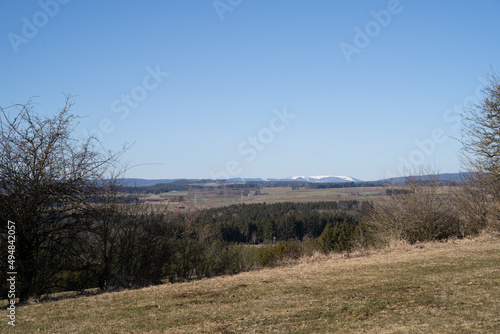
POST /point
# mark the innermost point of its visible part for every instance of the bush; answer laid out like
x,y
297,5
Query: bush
x,y
336,238
418,211
432,226
279,251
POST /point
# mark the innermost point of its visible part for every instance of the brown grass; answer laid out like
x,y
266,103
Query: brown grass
x,y
451,287
271,195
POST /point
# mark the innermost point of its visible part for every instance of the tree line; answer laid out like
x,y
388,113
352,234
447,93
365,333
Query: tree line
x,y
264,223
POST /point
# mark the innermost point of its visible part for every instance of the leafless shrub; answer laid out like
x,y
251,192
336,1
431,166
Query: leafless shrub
x,y
414,210
481,153
47,181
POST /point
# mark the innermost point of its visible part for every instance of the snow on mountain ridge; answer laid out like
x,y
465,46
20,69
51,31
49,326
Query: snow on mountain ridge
x,y
322,177
328,176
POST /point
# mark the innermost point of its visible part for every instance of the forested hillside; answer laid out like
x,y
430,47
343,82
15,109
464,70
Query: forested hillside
x,y
256,223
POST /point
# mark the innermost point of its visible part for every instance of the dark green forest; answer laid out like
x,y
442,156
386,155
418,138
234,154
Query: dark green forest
x,y
132,245
257,223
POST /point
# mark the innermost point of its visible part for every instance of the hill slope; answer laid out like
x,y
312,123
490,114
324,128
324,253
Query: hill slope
x,y
449,287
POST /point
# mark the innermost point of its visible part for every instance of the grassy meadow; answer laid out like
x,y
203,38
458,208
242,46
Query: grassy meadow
x,y
269,195
451,287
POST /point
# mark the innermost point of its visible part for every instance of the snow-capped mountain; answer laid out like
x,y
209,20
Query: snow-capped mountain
x,y
317,179
324,178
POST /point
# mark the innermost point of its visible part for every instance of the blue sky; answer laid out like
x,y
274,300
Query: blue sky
x,y
256,88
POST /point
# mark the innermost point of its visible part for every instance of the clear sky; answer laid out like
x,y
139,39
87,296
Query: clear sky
x,y
257,88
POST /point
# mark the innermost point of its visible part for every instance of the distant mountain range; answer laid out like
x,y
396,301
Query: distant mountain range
x,y
453,177
312,179
323,179
134,182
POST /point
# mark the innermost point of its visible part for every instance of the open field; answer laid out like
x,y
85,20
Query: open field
x,y
451,287
195,200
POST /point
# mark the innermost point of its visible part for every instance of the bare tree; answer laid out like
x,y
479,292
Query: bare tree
x,y
473,204
481,148
415,209
47,181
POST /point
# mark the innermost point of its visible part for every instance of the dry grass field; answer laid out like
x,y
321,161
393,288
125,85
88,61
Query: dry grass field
x,y
451,287
269,195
